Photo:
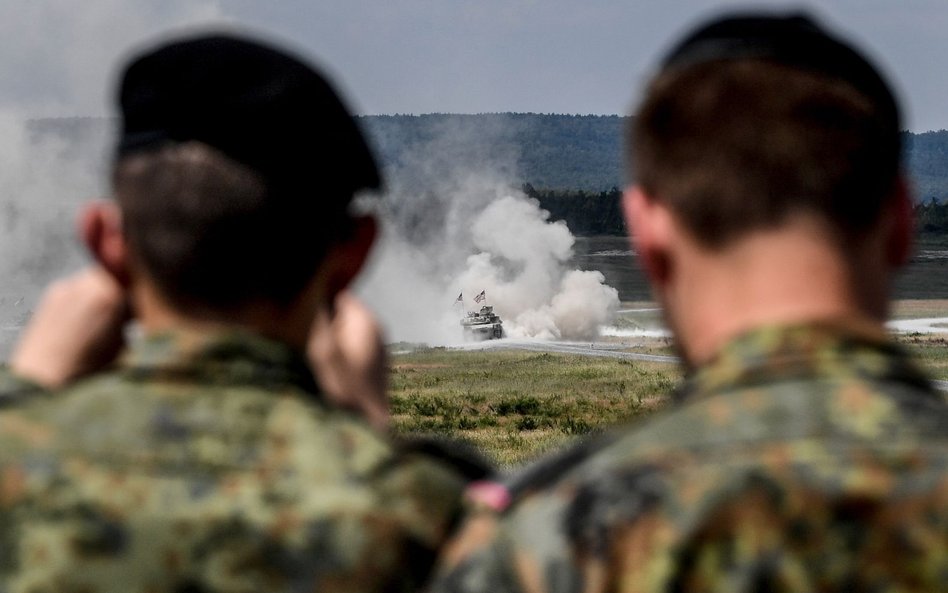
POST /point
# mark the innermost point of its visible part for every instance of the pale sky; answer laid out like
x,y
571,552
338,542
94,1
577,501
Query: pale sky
x,y
458,56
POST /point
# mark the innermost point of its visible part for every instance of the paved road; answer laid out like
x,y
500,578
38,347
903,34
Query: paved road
x,y
927,325
578,348
589,349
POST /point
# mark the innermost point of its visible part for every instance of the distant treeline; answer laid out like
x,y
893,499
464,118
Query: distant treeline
x,y
576,153
587,214
572,164
931,218
926,158
567,152
591,214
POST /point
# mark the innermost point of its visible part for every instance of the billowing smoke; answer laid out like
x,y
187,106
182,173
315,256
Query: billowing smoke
x,y
454,220
521,261
41,181
57,61
47,169
456,223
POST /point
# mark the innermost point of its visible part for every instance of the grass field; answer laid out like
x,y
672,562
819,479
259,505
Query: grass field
x,y
931,351
516,405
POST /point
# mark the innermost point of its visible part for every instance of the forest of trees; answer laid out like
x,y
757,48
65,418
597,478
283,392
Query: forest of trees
x,y
572,164
563,152
587,214
594,214
573,153
926,158
931,218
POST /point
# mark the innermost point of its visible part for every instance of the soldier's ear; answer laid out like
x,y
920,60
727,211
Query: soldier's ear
x,y
100,229
651,232
347,257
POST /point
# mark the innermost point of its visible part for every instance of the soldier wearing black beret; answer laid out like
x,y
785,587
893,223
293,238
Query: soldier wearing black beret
x,y
204,455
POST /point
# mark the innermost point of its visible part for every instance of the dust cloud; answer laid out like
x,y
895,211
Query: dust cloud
x,y
455,223
57,64
454,220
42,178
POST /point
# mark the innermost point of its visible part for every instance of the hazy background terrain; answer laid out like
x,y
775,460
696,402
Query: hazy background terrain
x,y
472,203
465,205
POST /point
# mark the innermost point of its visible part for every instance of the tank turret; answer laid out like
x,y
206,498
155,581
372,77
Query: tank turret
x,y
482,325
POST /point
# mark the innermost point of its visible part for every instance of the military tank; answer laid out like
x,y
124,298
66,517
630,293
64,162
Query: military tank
x,y
482,325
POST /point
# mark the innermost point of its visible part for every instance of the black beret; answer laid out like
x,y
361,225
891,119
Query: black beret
x,y
793,40
256,104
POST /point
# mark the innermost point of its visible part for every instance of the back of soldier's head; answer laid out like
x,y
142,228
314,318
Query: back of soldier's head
x,y
234,170
753,119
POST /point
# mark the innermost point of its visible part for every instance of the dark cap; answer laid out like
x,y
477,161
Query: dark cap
x,y
793,40
256,104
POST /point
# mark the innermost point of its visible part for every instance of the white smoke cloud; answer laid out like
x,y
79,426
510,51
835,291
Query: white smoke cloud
x,y
41,180
458,225
522,263
454,222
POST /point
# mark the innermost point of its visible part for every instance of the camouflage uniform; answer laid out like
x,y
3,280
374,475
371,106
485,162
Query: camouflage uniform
x,y
209,464
805,458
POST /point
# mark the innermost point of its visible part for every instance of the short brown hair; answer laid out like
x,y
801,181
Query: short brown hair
x,y
734,146
210,234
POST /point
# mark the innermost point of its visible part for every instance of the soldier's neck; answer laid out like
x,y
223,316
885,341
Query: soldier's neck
x,y
769,279
290,325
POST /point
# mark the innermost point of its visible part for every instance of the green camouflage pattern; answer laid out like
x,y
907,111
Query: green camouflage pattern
x,y
805,458
209,464
14,388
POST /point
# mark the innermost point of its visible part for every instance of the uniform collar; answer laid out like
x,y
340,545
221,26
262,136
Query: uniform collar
x,y
783,352
220,358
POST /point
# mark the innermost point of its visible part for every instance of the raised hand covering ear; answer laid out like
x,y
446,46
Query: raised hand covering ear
x,y
77,329
347,352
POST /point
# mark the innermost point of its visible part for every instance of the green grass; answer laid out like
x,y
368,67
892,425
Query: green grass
x,y
930,351
517,405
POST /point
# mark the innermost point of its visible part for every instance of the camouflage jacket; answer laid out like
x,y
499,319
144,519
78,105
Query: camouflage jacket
x,y
209,465
805,458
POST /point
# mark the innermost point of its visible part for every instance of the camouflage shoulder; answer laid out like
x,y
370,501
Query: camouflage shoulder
x,y
463,457
423,486
487,554
542,474
14,389
416,504
497,493
515,537
478,559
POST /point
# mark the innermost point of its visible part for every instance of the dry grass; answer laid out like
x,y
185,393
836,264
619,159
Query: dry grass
x,y
930,351
517,405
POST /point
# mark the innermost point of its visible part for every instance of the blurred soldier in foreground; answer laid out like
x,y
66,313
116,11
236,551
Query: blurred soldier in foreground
x,y
804,452
206,458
